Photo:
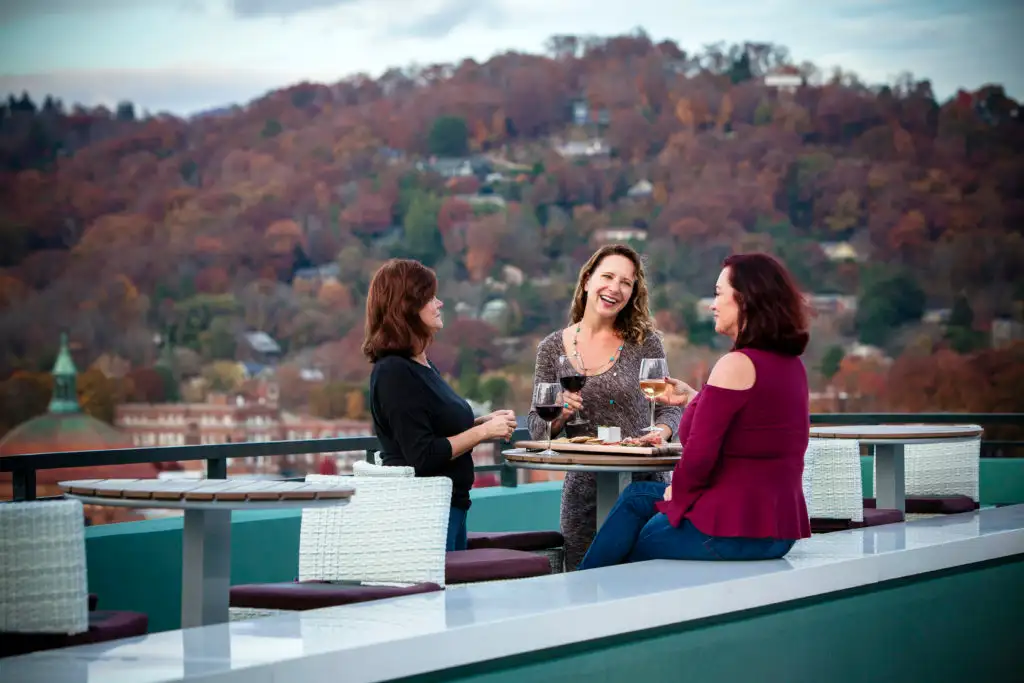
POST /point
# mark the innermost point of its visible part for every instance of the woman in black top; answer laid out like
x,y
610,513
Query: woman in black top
x,y
419,419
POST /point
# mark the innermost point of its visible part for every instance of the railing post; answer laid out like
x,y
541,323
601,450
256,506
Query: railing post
x,y
216,468
24,482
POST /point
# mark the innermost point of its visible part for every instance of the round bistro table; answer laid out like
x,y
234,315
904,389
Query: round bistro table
x,y
613,473
889,441
206,539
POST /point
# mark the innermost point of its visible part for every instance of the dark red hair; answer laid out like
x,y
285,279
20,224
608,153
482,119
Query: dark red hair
x,y
398,292
772,310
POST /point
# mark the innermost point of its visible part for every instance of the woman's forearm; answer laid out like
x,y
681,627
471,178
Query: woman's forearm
x,y
467,440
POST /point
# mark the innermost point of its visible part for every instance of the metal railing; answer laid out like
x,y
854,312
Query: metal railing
x,y
23,468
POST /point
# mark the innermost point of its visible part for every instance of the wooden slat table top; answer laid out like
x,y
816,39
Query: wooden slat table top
x,y
897,432
591,459
206,490
628,451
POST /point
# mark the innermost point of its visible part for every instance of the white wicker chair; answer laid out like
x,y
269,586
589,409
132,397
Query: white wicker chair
x,y
555,556
832,480
42,568
941,469
392,533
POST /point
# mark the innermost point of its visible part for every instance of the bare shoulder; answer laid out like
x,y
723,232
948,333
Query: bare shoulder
x,y
734,370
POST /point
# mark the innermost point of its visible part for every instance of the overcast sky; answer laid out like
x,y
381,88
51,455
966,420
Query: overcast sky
x,y
186,56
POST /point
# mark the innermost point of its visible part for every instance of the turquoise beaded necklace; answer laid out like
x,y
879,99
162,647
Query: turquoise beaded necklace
x,y
603,366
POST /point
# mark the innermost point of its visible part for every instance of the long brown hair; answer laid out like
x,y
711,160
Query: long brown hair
x,y
398,292
772,311
634,321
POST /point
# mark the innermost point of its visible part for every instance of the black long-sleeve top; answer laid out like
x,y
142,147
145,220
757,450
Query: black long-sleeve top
x,y
414,412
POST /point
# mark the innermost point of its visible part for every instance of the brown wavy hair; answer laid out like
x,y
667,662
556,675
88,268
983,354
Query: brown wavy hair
x,y
634,321
773,313
398,292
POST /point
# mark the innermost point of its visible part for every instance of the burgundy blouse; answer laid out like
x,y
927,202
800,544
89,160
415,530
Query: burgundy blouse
x,y
743,455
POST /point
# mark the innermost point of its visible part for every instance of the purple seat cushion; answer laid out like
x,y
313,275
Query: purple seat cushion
x,y
879,516
872,517
515,540
103,626
492,564
303,595
934,505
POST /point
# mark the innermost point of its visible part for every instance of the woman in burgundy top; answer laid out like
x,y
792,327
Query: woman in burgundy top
x,y
736,493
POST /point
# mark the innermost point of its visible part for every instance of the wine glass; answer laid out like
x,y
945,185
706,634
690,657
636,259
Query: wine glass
x,y
572,380
547,401
653,372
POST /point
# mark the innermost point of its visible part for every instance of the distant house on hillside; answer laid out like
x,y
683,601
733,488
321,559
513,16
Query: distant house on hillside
x,y
618,235
641,190
318,274
840,251
576,149
787,79
456,167
258,347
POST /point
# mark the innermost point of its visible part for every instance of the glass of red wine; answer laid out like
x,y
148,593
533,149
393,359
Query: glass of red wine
x,y
572,380
547,401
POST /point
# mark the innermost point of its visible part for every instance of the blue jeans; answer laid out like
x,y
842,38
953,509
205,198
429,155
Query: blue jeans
x,y
456,530
635,531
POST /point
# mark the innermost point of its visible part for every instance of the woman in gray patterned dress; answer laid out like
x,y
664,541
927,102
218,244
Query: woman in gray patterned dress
x,y
611,330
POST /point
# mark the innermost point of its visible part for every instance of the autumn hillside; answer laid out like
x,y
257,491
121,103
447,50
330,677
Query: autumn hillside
x,y
158,242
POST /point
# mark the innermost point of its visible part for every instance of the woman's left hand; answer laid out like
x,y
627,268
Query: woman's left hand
x,y
653,438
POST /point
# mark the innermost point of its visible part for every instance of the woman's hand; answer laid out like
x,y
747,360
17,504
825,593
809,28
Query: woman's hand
x,y
679,393
668,493
499,425
571,402
509,415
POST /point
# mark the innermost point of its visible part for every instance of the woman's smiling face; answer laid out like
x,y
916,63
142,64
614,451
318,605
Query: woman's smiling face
x,y
610,286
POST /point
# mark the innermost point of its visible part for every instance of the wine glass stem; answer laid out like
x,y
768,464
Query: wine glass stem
x,y
652,415
549,435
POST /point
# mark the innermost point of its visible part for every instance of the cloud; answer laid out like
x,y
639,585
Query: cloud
x,y
248,9
14,10
450,15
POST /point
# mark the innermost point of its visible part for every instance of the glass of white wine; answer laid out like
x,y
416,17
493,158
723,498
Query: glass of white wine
x,y
653,372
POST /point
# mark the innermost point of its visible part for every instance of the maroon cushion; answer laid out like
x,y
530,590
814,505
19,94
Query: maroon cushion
x,y
515,540
934,505
492,564
824,526
303,595
879,516
103,626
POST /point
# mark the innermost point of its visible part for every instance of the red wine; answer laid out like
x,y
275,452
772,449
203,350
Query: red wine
x,y
573,383
548,413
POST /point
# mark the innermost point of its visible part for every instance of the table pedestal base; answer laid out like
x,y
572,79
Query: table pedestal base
x,y
609,486
205,567
890,477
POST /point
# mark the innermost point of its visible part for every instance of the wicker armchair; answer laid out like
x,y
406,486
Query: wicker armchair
x,y
44,602
490,556
833,488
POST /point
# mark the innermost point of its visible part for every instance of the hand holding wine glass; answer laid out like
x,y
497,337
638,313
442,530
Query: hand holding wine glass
x,y
548,402
677,393
572,380
653,372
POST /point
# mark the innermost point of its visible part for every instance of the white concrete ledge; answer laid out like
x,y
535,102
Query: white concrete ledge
x,y
383,640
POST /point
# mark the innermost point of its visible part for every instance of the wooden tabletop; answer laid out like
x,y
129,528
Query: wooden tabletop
x,y
616,462
206,490
897,432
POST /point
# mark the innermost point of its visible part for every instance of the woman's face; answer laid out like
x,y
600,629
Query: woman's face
x,y
725,308
610,286
431,315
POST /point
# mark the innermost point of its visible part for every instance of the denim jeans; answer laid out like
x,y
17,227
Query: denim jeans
x,y
456,530
636,531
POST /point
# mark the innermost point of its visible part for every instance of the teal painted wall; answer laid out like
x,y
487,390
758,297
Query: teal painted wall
x,y
954,626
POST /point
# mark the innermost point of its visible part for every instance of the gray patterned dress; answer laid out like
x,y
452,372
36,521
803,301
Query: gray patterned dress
x,y
610,398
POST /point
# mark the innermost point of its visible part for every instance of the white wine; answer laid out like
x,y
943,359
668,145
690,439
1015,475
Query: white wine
x,y
653,387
